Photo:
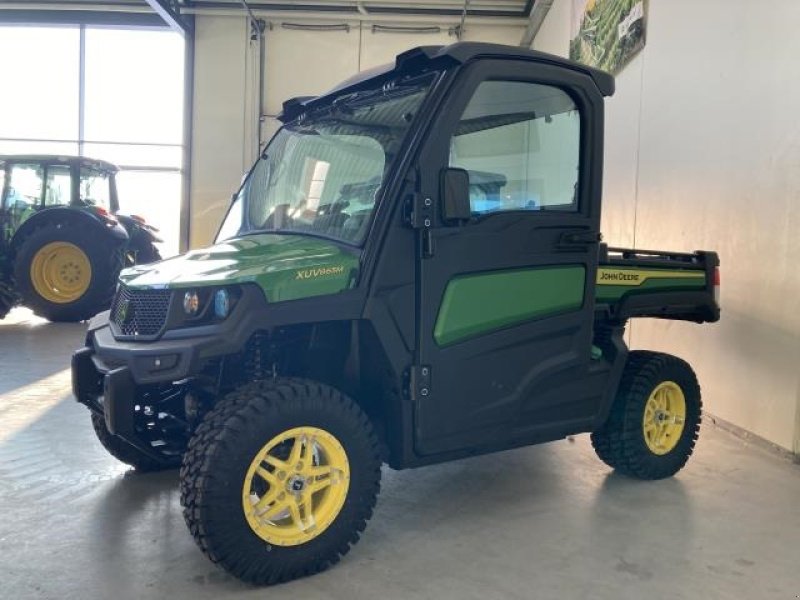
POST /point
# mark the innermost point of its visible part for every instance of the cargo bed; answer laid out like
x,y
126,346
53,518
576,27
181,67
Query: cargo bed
x,y
646,283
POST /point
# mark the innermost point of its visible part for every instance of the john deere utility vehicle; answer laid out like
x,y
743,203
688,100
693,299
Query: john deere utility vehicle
x,y
411,273
62,241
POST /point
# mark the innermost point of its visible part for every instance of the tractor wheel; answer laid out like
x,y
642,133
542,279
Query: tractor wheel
x,y
8,299
63,274
280,479
655,419
124,452
148,254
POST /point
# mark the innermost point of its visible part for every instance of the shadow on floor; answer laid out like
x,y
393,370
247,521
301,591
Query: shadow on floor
x,y
32,348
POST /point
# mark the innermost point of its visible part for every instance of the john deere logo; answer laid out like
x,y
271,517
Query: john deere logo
x,y
125,311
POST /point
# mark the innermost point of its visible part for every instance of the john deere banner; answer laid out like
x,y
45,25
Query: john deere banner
x,y
607,33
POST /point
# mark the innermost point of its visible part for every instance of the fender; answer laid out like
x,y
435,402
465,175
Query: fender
x,y
71,217
138,230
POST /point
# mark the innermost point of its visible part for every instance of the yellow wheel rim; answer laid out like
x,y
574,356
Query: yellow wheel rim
x,y
60,272
296,486
664,418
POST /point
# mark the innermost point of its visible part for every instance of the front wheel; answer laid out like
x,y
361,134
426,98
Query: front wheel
x,y
124,452
280,479
655,419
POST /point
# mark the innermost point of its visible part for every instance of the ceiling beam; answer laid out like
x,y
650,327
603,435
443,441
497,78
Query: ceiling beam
x,y
535,20
30,16
168,11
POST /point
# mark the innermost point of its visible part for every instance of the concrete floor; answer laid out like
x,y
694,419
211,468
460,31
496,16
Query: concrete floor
x,y
546,522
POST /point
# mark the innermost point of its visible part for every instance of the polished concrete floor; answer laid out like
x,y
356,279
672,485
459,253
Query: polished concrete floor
x,y
542,522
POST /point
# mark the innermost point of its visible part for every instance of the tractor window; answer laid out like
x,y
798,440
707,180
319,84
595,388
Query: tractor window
x,y
95,188
59,182
25,186
24,193
520,143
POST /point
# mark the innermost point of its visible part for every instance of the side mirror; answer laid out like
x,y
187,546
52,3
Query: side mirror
x,y
455,195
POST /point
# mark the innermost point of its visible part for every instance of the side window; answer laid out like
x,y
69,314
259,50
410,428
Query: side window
x,y
25,186
520,143
24,194
94,188
59,184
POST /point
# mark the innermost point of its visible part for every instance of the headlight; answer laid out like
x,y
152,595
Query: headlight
x,y
207,305
191,303
222,303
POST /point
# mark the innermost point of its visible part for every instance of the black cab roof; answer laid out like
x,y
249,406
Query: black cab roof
x,y
461,52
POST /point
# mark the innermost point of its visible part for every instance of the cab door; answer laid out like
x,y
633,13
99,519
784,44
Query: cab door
x,y
506,296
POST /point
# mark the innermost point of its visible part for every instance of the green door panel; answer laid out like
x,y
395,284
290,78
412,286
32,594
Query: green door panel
x,y
480,303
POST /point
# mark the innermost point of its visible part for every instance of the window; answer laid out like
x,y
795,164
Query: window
x,y
321,175
94,188
25,186
134,87
520,143
24,193
40,83
109,93
59,183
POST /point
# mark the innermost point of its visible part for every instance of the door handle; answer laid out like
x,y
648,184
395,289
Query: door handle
x,y
578,239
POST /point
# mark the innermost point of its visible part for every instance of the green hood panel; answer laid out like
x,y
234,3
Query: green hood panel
x,y
286,267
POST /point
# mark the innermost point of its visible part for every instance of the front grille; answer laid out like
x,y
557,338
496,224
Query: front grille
x,y
140,312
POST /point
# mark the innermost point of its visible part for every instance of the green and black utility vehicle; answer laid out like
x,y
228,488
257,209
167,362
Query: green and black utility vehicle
x,y
411,273
62,240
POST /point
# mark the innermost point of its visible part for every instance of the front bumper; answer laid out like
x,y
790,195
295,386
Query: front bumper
x,y
109,375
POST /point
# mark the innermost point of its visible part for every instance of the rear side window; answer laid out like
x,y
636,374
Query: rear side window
x,y
59,186
520,144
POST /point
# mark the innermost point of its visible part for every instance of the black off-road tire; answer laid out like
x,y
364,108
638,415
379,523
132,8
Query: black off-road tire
x,y
144,255
221,450
621,444
148,254
7,299
124,452
105,255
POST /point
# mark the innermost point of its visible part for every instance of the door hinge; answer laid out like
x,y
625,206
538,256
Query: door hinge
x,y
419,211
419,214
419,382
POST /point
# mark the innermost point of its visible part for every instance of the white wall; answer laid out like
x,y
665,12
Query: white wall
x,y
218,122
297,63
703,151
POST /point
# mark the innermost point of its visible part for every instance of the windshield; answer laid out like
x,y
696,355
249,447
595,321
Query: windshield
x,y
322,173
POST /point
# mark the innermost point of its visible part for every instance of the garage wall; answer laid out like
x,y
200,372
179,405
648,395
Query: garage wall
x,y
297,63
218,122
703,149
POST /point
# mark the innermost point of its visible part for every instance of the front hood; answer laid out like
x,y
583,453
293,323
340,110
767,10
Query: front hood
x,y
286,267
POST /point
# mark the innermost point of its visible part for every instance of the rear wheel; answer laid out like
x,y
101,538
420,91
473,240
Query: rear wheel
x,y
148,254
280,479
655,419
7,299
63,274
143,255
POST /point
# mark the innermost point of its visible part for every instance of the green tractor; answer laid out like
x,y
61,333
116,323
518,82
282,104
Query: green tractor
x,y
62,240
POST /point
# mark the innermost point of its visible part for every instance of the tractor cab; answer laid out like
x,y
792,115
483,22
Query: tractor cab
x,y
34,183
62,239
